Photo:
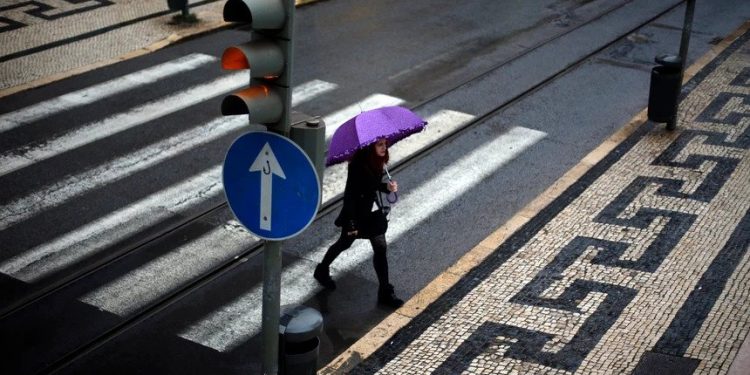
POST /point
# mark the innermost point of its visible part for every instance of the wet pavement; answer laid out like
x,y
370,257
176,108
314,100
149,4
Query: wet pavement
x,y
636,261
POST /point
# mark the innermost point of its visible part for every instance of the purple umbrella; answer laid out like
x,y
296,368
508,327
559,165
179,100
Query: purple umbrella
x,y
392,123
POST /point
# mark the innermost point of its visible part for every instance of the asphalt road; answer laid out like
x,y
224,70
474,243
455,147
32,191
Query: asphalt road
x,y
538,83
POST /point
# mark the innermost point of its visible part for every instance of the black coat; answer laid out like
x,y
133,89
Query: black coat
x,y
362,186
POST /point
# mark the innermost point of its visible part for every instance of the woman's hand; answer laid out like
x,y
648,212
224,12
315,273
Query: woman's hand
x,y
392,186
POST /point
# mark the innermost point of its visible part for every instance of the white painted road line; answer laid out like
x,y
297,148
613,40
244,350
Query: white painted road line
x,y
23,157
235,323
102,90
439,125
151,281
63,190
310,90
97,235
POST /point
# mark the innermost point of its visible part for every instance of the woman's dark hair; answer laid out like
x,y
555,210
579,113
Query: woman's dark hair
x,y
376,162
370,158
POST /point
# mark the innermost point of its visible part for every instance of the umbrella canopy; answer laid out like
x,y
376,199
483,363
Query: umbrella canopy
x,y
392,123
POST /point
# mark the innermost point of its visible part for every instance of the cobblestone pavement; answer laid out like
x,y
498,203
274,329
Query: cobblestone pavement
x,y
47,40
642,260
43,41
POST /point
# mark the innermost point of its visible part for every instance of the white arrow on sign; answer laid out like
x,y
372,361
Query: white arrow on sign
x,y
267,164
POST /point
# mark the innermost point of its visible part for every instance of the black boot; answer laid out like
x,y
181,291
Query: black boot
x,y
387,298
321,274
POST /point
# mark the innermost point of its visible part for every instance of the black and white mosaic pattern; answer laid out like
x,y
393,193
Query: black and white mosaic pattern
x,y
20,14
646,252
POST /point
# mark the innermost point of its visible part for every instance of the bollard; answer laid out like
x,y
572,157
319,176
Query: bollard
x,y
181,5
299,345
664,92
309,133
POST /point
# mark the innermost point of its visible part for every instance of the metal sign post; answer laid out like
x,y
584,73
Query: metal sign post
x,y
271,306
273,189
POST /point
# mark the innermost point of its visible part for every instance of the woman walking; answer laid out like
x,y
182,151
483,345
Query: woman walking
x,y
357,220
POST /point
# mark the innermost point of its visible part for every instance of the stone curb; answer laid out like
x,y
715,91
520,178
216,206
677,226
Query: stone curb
x,y
384,331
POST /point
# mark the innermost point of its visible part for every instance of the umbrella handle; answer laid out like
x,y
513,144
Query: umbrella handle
x,y
395,197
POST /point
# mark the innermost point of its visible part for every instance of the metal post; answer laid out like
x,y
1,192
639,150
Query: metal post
x,y
687,28
272,250
286,81
271,306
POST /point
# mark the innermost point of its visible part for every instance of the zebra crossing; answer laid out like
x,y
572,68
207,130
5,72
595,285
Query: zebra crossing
x,y
230,325
146,157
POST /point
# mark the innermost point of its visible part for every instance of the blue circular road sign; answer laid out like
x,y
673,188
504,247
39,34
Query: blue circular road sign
x,y
271,185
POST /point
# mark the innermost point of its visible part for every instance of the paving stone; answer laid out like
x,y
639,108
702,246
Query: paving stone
x,y
51,39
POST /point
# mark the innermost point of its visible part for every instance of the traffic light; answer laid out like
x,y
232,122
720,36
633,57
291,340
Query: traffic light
x,y
267,56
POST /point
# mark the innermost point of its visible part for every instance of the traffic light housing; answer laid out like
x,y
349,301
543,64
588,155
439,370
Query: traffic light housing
x,y
268,58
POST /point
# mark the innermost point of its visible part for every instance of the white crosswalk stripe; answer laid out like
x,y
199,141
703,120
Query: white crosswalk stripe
x,y
63,190
95,236
310,90
103,90
23,157
139,160
151,281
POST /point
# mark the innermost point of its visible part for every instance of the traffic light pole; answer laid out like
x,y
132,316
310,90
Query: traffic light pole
x,y
271,306
268,57
272,252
